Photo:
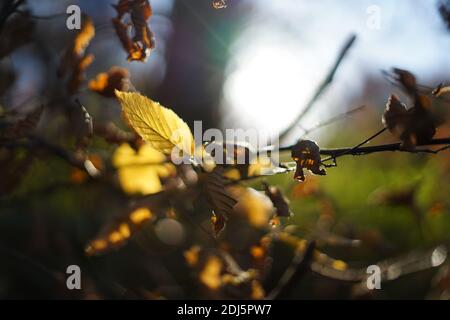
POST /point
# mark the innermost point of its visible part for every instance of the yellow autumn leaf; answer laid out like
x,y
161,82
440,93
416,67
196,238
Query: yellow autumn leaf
x,y
141,172
159,126
210,275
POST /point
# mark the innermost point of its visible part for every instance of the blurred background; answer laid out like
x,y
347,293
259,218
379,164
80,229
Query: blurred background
x,y
254,64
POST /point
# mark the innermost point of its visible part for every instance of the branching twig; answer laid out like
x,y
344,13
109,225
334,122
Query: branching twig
x,y
355,147
322,87
331,120
333,153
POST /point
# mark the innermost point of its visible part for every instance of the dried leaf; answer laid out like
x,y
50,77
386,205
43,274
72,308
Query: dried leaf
x,y
306,154
396,116
122,7
141,11
157,125
406,79
106,83
218,223
74,53
413,126
138,48
217,195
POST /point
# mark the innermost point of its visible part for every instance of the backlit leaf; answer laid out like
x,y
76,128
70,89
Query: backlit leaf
x,y
157,125
141,172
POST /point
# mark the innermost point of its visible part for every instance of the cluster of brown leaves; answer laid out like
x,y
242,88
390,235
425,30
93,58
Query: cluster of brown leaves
x,y
142,41
415,125
106,83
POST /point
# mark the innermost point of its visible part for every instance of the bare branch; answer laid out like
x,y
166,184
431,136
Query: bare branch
x,y
328,79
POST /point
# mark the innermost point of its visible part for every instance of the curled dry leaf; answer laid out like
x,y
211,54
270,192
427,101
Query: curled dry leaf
x,y
139,46
218,197
218,222
118,232
406,79
413,126
106,83
157,125
306,154
140,172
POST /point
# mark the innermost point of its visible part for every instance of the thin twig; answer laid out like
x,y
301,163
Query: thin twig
x,y
35,142
328,79
385,147
331,120
357,146
299,266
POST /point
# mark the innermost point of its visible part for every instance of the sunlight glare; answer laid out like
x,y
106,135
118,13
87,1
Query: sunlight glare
x,y
266,85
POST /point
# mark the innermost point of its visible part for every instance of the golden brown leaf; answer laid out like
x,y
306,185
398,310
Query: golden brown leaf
x,y
139,46
106,83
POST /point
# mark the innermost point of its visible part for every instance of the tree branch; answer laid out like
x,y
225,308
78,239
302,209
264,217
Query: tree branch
x,y
329,78
333,153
